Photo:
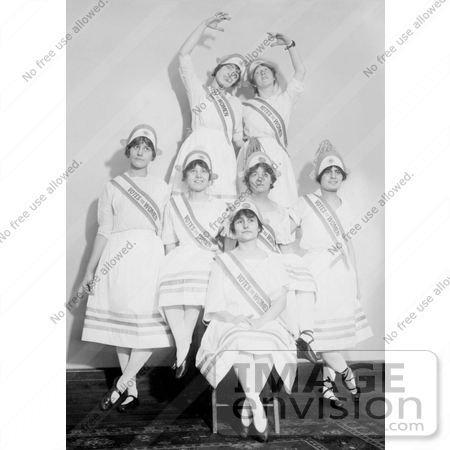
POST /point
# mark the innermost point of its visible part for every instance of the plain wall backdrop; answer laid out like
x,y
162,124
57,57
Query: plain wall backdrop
x,y
122,70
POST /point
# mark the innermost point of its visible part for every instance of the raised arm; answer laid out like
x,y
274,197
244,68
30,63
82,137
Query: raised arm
x,y
299,67
195,36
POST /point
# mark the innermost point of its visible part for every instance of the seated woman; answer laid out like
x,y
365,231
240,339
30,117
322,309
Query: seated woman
x,y
246,295
192,220
260,177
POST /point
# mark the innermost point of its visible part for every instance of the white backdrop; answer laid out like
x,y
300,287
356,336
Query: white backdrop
x,y
122,70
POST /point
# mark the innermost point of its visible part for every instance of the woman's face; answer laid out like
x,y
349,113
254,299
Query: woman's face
x,y
227,75
140,156
197,179
331,179
260,180
263,77
246,229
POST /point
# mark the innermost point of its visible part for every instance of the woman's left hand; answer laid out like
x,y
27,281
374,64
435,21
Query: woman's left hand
x,y
255,323
279,38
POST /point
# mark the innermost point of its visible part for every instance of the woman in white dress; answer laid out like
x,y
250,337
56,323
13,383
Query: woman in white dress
x,y
193,221
260,177
216,115
122,271
266,119
339,321
246,295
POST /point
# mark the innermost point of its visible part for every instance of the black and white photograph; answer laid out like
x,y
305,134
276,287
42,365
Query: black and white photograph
x,y
232,226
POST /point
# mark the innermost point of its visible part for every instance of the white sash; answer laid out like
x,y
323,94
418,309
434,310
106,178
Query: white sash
x,y
271,116
268,238
330,221
244,282
194,229
224,110
140,199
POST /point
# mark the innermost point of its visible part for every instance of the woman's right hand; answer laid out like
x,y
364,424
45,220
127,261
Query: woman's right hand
x,y
242,319
213,21
88,283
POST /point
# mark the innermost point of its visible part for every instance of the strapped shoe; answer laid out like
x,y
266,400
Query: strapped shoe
x,y
347,376
106,402
304,349
129,406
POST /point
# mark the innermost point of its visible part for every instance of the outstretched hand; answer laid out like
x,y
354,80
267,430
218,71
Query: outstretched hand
x,y
280,39
212,22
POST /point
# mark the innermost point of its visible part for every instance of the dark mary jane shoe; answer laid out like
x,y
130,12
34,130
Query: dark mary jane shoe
x,y
129,406
106,403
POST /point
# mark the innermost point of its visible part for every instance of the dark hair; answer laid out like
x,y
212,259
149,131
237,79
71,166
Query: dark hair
x,y
138,141
252,78
267,168
193,165
319,177
238,70
246,213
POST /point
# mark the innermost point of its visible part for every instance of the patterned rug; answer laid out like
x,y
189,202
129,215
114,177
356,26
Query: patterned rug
x,y
180,416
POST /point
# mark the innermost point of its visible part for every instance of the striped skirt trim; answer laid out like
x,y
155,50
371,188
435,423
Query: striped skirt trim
x,y
300,278
155,316
341,333
160,331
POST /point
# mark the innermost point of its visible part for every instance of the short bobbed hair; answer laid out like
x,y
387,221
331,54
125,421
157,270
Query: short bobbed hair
x,y
192,165
266,167
238,70
249,214
138,141
319,177
252,77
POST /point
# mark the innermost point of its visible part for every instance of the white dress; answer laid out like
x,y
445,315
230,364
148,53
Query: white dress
x,y
222,341
123,311
208,133
339,321
285,188
184,273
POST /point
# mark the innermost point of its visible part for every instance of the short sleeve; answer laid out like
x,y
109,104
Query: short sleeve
x,y
168,233
105,212
189,77
215,300
293,90
294,215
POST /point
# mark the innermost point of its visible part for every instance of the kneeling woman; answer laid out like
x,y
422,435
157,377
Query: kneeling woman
x,y
121,309
246,296
192,220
